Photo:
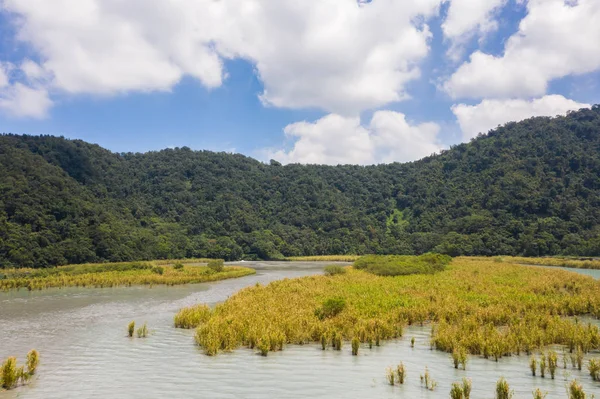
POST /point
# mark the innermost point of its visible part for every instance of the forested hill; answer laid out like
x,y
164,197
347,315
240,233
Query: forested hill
x,y
528,188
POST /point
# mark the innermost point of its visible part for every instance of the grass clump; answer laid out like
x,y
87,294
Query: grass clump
x,y
402,265
355,346
33,360
594,369
192,316
332,270
178,266
461,390
533,365
575,390
459,357
401,373
143,332
131,328
538,394
489,309
427,381
552,363
11,373
503,390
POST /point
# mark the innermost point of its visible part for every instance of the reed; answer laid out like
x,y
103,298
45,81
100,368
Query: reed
x,y
113,275
552,363
456,391
401,373
594,369
503,390
467,385
575,390
543,365
390,376
355,346
538,394
143,332
532,365
10,374
131,328
427,381
33,361
459,357
488,308
192,317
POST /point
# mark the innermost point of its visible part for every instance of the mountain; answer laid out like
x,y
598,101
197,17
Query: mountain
x,y
530,188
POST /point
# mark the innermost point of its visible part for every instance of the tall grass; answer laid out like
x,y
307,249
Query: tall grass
x,y
114,274
503,390
487,308
324,258
192,317
402,265
11,373
556,262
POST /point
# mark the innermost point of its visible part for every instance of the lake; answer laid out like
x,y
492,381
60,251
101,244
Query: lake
x,y
85,352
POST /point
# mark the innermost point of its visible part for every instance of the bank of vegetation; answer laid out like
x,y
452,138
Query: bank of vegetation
x,y
120,274
577,263
476,306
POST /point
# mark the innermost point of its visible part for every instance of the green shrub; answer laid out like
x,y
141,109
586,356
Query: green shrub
x,y
332,270
158,270
331,307
178,266
216,265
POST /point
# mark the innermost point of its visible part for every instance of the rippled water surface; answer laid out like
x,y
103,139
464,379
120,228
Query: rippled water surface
x,y
81,336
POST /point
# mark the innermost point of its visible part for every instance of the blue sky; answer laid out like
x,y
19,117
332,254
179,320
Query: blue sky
x,y
278,98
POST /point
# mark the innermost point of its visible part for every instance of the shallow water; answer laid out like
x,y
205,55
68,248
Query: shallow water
x,y
81,336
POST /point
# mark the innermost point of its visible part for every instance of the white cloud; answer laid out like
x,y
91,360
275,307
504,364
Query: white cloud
x,y
338,55
489,114
555,39
335,139
465,18
23,101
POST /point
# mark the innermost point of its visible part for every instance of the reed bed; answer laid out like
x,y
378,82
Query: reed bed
x,y
324,258
114,274
478,306
587,263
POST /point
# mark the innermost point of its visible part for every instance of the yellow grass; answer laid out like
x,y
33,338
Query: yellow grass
x,y
324,258
126,274
559,262
479,305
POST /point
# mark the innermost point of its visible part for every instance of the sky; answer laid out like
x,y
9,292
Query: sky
x,y
311,81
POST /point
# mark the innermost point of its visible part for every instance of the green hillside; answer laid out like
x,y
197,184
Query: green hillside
x,y
530,188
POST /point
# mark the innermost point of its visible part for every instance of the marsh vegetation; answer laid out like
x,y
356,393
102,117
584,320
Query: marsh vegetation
x,y
477,306
11,374
119,274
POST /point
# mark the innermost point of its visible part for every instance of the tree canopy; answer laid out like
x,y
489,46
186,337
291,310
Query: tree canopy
x,y
530,188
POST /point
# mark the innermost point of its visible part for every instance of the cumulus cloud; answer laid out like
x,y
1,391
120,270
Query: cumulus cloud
x,y
555,39
342,56
335,139
21,100
489,114
466,18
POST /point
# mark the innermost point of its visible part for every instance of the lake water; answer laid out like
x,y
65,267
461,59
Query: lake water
x,y
85,353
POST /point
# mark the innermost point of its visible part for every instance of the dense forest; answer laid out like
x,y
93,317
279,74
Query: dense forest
x,y
530,188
